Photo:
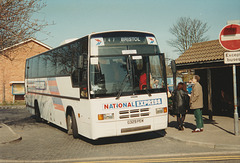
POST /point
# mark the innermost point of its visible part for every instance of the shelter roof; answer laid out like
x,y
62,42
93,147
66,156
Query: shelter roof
x,y
202,52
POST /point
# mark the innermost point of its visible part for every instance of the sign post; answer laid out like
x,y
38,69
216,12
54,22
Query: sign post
x,y
229,38
235,101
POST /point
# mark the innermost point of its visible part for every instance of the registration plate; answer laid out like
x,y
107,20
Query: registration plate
x,y
133,121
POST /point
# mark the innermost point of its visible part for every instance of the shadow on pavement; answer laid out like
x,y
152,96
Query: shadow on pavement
x,y
102,141
127,138
118,139
214,123
23,121
174,124
209,121
223,129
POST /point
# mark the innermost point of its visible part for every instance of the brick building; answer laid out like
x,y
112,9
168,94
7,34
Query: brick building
x,y
12,68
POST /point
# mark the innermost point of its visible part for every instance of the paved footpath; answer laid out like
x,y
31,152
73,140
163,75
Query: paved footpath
x,y
7,135
218,133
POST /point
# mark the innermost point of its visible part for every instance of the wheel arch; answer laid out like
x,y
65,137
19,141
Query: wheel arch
x,y
36,106
35,102
69,109
37,111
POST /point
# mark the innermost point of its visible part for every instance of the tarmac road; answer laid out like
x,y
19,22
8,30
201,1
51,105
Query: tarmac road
x,y
47,142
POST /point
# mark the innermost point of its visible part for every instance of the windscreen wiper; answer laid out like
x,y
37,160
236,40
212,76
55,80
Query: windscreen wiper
x,y
149,94
122,86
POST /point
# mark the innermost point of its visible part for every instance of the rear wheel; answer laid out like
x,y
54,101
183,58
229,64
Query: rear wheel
x,y
72,125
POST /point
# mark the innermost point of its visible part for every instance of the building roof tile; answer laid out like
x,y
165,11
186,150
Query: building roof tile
x,y
31,39
202,52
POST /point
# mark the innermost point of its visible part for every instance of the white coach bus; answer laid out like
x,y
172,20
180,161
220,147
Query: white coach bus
x,y
101,85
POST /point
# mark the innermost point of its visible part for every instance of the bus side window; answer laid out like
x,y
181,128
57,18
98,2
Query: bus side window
x,y
29,75
75,78
79,53
83,77
75,50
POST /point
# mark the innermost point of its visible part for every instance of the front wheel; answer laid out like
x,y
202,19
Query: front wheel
x,y
72,125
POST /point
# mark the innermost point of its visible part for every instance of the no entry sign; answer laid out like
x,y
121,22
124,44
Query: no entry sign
x,y
229,37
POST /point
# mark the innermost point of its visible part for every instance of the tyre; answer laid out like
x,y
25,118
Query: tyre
x,y
72,125
69,124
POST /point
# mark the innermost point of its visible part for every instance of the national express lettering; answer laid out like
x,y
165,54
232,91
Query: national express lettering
x,y
140,103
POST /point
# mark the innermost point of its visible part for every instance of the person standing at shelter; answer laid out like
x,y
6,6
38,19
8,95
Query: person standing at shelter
x,y
180,100
196,103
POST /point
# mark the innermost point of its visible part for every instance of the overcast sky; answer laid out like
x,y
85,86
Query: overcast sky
x,y
77,18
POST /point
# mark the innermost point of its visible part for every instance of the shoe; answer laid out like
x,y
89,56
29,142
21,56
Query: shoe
x,y
197,130
201,129
182,128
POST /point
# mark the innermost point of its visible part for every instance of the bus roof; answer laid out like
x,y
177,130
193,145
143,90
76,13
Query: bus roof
x,y
96,33
116,31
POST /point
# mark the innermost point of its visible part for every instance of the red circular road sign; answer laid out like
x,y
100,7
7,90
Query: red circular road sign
x,y
229,37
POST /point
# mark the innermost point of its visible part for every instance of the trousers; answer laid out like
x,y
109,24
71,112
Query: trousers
x,y
198,117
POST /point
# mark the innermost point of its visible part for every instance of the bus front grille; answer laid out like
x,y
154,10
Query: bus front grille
x,y
123,114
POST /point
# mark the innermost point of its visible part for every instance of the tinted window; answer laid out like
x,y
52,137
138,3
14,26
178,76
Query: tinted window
x,y
35,67
30,68
42,66
75,50
51,64
64,61
27,69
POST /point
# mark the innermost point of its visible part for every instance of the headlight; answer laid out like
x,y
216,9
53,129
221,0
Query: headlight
x,y
161,110
106,116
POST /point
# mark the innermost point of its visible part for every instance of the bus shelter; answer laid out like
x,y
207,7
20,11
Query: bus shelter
x,y
206,59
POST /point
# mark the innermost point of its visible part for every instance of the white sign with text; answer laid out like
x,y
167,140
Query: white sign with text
x,y
232,57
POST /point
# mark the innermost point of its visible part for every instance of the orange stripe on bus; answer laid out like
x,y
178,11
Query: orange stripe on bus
x,y
52,83
58,107
54,93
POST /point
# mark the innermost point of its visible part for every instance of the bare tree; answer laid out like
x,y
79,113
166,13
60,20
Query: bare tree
x,y
16,23
187,32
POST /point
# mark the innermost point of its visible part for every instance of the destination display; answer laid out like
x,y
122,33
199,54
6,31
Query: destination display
x,y
124,40
123,45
